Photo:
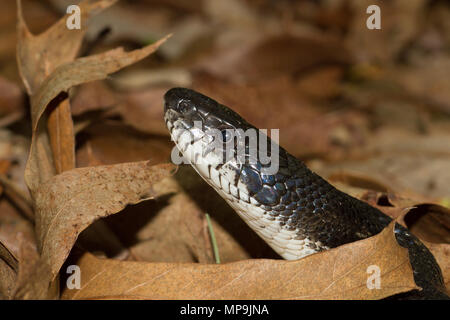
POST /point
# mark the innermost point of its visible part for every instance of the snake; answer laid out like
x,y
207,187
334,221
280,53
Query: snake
x,y
294,210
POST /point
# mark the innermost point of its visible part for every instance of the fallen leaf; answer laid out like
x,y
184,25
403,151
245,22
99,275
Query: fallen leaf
x,y
400,23
405,161
86,69
340,273
92,96
38,56
358,180
11,102
39,166
8,257
113,142
12,223
273,56
28,258
430,222
47,76
427,82
143,110
8,272
52,150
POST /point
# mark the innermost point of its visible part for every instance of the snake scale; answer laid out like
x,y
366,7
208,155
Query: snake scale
x,y
294,210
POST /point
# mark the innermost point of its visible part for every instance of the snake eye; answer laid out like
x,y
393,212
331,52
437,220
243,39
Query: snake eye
x,y
184,106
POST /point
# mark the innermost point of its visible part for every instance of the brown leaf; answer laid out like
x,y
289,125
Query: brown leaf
x,y
4,166
91,68
92,96
427,82
7,280
400,21
358,180
430,222
340,273
17,235
38,56
112,142
28,258
51,72
8,257
403,160
8,272
12,223
71,201
272,56
11,102
143,111
82,70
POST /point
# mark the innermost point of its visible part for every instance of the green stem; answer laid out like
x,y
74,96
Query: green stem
x,y
213,239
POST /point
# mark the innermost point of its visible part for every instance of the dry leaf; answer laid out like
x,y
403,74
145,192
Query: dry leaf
x,y
111,142
430,222
28,258
8,272
38,56
143,111
12,223
272,56
340,273
86,69
71,201
49,74
358,180
82,70
11,102
92,96
400,22
8,257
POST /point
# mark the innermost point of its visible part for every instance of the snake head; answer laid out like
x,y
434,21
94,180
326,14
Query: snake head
x,y
189,105
200,127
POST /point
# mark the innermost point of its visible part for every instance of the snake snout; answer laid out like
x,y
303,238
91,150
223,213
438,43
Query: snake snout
x,y
181,100
172,98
